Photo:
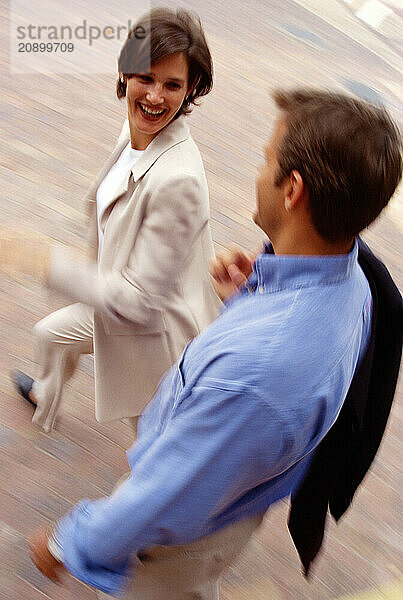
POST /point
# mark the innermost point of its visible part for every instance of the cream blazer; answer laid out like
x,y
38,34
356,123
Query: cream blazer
x,y
151,289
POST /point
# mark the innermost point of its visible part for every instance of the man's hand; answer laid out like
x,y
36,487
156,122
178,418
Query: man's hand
x,y
43,559
230,271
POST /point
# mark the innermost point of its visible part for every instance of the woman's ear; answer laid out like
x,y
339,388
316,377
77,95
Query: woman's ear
x,y
191,88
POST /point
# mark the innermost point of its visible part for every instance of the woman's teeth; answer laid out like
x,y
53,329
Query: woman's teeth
x,y
151,111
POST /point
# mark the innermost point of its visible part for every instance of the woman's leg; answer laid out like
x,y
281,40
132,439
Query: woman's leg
x,y
60,337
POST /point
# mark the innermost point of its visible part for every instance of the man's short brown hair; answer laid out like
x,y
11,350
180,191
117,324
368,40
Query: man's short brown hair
x,y
348,153
162,32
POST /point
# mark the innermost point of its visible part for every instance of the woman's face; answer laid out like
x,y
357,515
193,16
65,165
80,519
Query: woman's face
x,y
154,97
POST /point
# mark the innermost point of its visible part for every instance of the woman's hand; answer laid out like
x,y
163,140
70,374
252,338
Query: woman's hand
x,y
230,271
24,251
42,557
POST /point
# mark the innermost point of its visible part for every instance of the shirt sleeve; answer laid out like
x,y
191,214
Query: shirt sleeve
x,y
204,460
174,216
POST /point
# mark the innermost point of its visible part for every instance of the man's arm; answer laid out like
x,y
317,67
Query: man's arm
x,y
199,464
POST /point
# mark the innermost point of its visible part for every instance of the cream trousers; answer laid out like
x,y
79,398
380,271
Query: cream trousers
x,y
189,572
61,338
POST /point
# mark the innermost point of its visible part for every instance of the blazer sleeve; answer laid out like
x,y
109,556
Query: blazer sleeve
x,y
175,214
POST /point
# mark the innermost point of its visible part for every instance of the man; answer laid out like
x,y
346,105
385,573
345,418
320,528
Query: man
x,y
235,423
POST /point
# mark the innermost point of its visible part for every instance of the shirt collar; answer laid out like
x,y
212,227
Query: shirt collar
x,y
275,272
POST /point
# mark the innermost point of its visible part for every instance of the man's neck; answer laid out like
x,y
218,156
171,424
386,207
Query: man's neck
x,y
311,246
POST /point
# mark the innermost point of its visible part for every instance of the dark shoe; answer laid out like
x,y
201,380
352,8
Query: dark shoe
x,y
24,384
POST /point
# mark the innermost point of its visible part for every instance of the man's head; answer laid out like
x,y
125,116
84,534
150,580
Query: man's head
x,y
338,155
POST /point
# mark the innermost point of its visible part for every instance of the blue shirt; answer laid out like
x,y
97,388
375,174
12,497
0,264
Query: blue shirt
x,y
233,425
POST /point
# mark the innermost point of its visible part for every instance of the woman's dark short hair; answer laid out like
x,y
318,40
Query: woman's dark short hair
x,y
348,153
162,32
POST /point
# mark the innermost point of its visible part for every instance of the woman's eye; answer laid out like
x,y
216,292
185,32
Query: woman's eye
x,y
145,78
171,85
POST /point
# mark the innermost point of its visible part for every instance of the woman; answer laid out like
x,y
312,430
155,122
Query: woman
x,y
147,291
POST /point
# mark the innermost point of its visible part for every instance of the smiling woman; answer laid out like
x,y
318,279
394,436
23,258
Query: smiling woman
x,y
164,38
146,292
155,97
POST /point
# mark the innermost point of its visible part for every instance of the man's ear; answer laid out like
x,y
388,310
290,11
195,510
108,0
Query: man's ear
x,y
295,191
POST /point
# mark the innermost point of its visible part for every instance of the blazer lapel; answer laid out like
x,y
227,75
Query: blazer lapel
x,y
127,184
117,151
92,196
173,134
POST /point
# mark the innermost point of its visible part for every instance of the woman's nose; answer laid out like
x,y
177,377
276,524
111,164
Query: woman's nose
x,y
154,94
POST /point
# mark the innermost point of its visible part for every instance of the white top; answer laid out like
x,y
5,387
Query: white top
x,y
115,183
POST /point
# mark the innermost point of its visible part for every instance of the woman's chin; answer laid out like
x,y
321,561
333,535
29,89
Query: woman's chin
x,y
150,126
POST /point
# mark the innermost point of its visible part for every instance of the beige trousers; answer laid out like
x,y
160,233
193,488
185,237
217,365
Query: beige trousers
x,y
191,571
60,339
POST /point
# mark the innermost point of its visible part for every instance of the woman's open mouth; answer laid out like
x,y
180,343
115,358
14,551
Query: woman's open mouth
x,y
151,114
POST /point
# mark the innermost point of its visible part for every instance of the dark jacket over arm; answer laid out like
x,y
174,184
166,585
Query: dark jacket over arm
x,y
346,453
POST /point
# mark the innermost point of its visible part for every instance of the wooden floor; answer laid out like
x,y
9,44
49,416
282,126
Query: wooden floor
x,y
55,131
